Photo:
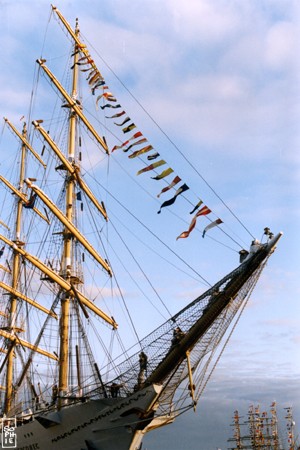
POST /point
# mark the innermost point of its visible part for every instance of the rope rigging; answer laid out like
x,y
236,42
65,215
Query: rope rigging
x,y
174,145
158,345
169,139
73,370
150,231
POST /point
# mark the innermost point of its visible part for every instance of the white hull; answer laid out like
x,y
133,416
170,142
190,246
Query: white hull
x,y
106,424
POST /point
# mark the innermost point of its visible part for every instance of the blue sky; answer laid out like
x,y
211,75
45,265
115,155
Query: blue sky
x,y
222,80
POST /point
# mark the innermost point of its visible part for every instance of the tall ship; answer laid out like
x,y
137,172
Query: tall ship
x,y
262,430
76,254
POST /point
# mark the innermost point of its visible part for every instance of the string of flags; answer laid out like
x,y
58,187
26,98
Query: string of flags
x,y
107,100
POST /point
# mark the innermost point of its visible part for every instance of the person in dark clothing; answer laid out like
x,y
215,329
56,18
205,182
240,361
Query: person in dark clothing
x,y
177,336
143,359
115,389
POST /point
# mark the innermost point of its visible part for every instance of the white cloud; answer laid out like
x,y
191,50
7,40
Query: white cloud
x,y
203,21
281,46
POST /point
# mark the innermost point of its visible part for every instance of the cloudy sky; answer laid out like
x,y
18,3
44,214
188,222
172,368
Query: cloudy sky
x,y
221,78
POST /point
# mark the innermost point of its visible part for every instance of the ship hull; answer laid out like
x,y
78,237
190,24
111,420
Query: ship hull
x,y
105,424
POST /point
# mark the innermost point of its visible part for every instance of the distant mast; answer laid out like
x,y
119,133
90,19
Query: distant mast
x,y
262,430
237,429
290,429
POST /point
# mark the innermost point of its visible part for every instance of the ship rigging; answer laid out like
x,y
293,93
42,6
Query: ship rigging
x,y
66,374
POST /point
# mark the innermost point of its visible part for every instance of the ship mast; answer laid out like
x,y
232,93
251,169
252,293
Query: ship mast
x,y
15,277
262,430
290,429
237,431
68,257
67,279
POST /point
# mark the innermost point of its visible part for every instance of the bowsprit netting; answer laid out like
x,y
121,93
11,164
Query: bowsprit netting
x,y
161,344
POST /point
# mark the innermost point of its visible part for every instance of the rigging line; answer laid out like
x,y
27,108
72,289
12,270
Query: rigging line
x,y
127,310
110,365
98,336
36,73
110,350
149,194
2,131
121,295
180,218
82,335
154,251
151,232
138,287
46,31
143,272
107,129
98,231
226,234
26,292
125,352
232,330
181,410
33,95
171,141
172,212
38,339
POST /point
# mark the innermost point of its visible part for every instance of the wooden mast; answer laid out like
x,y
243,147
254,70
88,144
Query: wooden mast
x,y
73,104
72,168
63,283
69,225
68,257
15,277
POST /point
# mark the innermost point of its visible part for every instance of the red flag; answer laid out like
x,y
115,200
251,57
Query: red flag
x,y
174,182
202,212
136,135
